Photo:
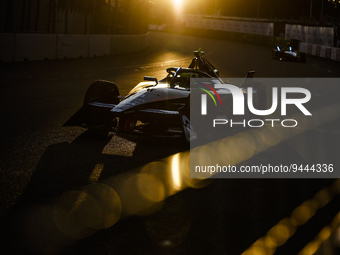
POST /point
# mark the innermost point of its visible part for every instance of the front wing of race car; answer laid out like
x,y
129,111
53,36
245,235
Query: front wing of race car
x,y
149,121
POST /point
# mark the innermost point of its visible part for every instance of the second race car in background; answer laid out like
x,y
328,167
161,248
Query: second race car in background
x,y
288,54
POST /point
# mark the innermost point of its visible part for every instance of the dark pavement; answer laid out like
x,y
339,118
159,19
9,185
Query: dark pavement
x,y
40,159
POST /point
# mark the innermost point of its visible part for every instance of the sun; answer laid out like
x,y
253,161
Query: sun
x,y
178,4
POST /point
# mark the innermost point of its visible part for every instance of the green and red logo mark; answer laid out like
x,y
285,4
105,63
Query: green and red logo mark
x,y
204,97
209,93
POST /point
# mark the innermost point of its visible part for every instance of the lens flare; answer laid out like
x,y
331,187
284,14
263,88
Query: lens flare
x,y
101,208
141,193
175,171
66,215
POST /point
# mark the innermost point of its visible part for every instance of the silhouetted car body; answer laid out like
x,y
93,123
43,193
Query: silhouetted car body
x,y
152,107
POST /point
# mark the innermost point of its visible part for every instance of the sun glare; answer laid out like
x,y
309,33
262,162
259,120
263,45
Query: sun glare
x,y
178,5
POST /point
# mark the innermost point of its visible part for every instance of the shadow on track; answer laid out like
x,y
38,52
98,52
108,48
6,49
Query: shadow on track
x,y
70,166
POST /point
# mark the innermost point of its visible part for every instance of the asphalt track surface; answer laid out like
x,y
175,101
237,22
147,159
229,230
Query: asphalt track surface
x,y
40,159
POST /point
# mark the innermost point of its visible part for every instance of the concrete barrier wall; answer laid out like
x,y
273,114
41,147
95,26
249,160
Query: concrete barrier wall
x,y
99,45
310,34
7,47
320,51
30,47
72,46
250,26
34,47
335,55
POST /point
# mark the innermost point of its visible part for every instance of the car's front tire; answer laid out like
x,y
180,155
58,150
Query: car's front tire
x,y
102,92
99,119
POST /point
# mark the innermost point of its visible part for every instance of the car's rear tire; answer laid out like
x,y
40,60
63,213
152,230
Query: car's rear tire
x,y
102,92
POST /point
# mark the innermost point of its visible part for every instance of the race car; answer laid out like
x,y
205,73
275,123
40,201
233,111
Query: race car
x,y
154,107
288,54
